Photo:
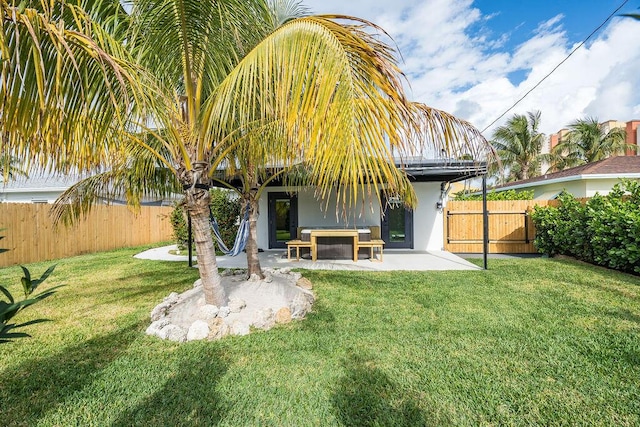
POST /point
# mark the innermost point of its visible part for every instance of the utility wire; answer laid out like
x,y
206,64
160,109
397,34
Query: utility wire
x,y
557,66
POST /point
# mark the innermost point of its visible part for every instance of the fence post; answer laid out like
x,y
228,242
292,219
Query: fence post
x,y
485,222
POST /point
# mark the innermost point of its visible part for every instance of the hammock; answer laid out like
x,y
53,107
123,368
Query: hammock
x,y
241,237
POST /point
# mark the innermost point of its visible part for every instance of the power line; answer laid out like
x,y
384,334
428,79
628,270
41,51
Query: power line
x,y
557,66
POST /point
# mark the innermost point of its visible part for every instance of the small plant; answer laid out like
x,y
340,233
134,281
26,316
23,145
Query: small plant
x,y
10,308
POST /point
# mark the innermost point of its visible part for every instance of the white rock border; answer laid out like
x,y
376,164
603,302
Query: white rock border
x,y
236,318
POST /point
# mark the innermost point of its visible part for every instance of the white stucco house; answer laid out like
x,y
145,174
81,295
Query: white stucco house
x,y
581,181
283,210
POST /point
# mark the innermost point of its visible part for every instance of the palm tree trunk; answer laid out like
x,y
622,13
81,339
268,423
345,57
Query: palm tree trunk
x,y
253,262
198,207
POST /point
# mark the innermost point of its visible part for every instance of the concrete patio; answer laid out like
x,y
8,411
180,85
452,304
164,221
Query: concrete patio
x,y
394,260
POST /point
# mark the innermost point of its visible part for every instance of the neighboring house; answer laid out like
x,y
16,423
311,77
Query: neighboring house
x,y
35,188
39,188
581,181
283,210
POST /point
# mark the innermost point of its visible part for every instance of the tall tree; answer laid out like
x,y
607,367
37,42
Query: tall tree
x,y
587,141
163,95
635,16
518,144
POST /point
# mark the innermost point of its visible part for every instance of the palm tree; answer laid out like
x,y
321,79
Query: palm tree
x,y
635,16
168,94
587,142
518,145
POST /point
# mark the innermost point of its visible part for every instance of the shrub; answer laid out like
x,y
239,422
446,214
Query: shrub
x,y
604,231
224,207
496,195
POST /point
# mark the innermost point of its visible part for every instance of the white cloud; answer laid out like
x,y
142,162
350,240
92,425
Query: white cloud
x,y
454,63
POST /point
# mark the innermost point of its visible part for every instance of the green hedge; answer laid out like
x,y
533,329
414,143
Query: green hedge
x,y
496,195
225,209
604,231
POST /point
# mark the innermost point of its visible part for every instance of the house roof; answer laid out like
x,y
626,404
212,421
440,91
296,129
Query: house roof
x,y
420,170
444,170
613,167
54,184
39,182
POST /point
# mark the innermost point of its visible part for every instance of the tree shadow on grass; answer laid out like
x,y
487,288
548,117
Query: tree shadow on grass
x,y
189,397
28,391
366,396
130,289
115,295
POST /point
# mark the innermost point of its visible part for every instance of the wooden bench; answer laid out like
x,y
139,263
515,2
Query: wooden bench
x,y
372,244
297,244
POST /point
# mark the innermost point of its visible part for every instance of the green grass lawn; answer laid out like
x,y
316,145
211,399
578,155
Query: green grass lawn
x,y
529,342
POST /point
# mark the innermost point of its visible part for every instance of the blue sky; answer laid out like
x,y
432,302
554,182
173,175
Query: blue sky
x,y
520,18
476,58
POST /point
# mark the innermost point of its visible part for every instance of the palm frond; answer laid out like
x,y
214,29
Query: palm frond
x,y
518,144
130,183
335,93
442,132
62,87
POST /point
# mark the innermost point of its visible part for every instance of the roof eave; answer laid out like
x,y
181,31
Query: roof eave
x,y
586,177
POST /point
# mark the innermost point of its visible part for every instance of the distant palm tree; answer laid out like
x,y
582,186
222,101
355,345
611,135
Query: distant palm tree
x,y
587,142
558,161
518,145
632,15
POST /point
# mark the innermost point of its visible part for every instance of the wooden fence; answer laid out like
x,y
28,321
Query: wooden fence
x,y
511,229
29,235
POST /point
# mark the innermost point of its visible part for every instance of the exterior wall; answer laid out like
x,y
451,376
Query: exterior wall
x,y
632,136
263,219
37,187
600,186
311,213
427,220
48,196
579,188
554,139
574,187
612,124
428,229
